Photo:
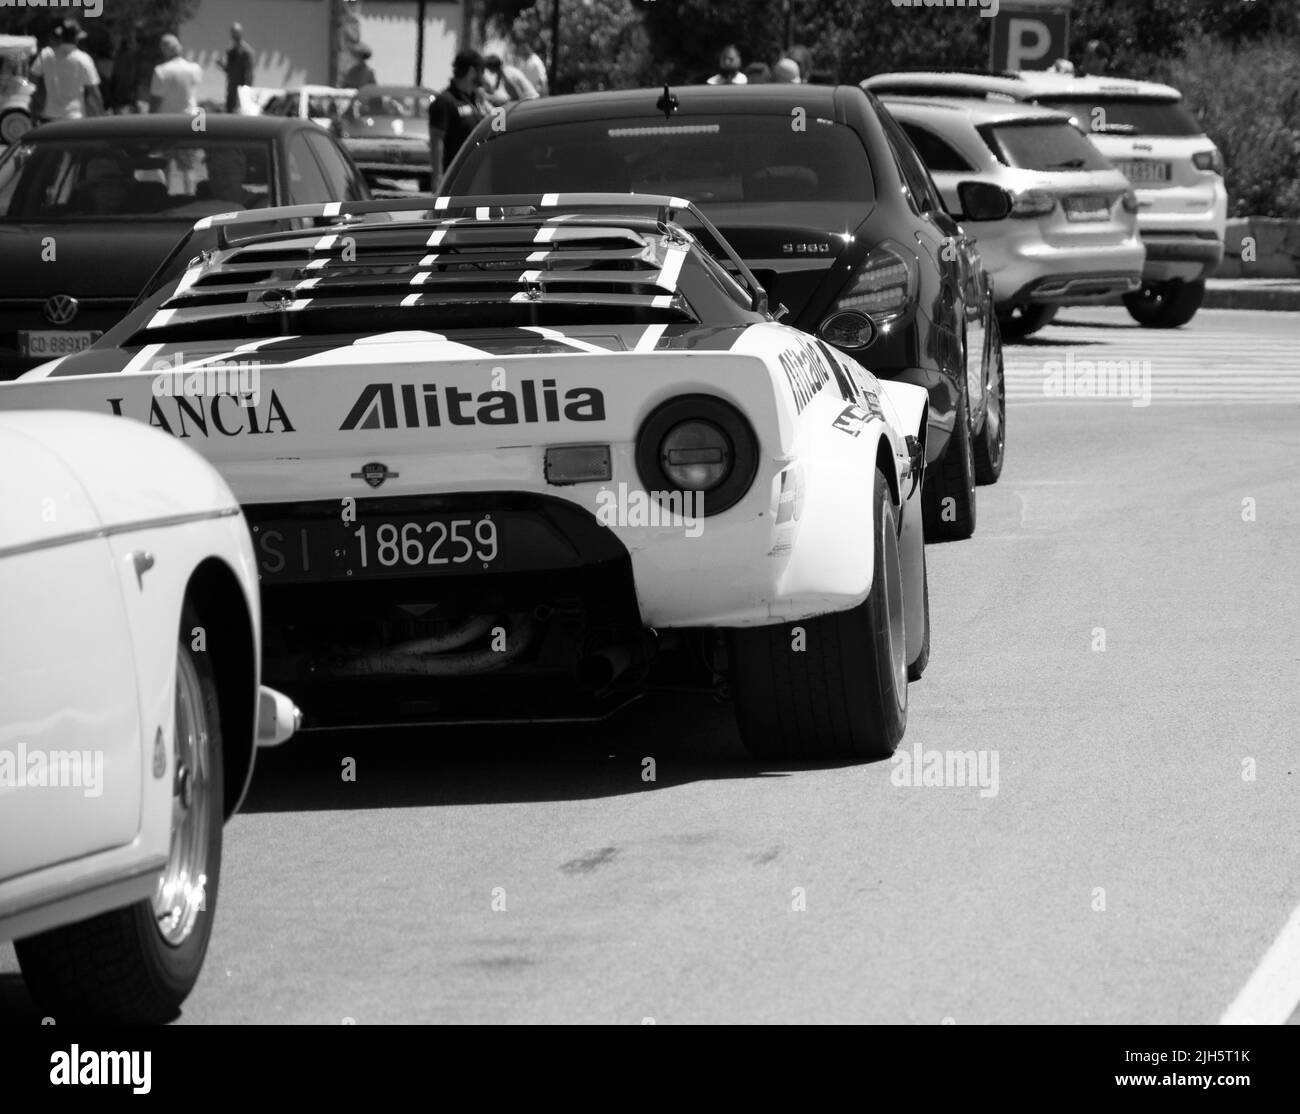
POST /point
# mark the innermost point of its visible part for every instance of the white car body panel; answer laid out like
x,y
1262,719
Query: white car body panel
x,y
758,570
88,657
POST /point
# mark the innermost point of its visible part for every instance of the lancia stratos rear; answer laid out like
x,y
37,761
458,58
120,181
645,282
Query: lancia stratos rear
x,y
529,458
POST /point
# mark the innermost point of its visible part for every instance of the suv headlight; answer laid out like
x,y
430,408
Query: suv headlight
x,y
885,283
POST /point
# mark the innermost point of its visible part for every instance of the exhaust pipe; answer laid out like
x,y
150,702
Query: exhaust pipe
x,y
604,667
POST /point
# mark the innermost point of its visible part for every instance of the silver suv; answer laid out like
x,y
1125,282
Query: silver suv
x,y
1071,237
1144,128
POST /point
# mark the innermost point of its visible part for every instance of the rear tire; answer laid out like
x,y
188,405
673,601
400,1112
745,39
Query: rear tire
x,y
1025,320
948,497
834,686
1165,305
135,966
990,445
917,667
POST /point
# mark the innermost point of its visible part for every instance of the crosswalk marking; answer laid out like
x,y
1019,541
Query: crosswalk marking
x,y
1124,364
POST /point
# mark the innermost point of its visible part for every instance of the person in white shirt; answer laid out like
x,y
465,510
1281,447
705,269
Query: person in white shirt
x,y
729,68
67,83
532,65
504,83
175,81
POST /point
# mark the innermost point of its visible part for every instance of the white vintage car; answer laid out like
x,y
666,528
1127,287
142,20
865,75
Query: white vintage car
x,y
527,458
129,708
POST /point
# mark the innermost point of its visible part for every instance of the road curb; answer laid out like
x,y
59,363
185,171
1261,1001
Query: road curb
x,y
1252,295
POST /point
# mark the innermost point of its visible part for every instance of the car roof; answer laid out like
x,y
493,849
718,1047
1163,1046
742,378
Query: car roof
x,y
758,100
398,90
171,126
320,89
977,112
1028,83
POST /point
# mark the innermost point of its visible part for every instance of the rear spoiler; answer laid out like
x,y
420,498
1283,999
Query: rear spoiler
x,y
480,209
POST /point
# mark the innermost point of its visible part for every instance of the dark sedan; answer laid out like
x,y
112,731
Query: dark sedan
x,y
824,197
386,129
89,209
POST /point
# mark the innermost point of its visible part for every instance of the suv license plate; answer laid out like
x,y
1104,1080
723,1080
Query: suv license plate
x,y
1142,171
1087,207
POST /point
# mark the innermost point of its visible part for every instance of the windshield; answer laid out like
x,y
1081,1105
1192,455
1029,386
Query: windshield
x,y
1126,115
405,105
132,179
1051,145
711,160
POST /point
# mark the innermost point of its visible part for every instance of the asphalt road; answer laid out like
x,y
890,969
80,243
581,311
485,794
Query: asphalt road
x,y
1117,637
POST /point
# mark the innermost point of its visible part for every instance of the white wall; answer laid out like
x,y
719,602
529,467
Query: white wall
x,y
388,28
290,40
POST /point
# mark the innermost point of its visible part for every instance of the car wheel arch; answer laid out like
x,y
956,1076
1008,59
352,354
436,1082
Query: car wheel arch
x,y
215,593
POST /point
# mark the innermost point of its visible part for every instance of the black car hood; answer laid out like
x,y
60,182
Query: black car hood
x,y
95,260
792,248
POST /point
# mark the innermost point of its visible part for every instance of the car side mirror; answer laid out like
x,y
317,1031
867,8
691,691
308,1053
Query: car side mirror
x,y
983,201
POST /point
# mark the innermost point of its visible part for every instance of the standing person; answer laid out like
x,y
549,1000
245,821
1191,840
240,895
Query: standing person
x,y
758,73
360,74
729,67
529,61
454,112
67,83
175,83
786,72
129,85
803,59
507,83
238,66
1096,54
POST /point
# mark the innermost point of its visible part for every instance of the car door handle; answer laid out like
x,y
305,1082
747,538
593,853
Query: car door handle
x,y
142,561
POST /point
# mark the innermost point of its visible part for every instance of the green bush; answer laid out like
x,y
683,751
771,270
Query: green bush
x,y
1248,101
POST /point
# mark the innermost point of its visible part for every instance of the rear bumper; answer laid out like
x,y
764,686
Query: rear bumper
x,y
1074,289
1039,273
1184,255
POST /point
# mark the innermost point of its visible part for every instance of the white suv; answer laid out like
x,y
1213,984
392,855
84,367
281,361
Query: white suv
x,y
1144,128
1071,237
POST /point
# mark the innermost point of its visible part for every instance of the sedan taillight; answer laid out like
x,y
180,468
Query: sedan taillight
x,y
885,283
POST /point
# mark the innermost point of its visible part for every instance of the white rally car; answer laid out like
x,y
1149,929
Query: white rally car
x,y
129,709
526,458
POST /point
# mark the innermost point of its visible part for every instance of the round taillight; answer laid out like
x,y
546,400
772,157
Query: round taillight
x,y
847,330
698,443
696,456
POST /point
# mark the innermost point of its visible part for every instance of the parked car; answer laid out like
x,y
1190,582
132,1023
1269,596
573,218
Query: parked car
x,y
825,200
129,709
1147,132
386,129
90,208
16,89
526,459
1071,237
324,105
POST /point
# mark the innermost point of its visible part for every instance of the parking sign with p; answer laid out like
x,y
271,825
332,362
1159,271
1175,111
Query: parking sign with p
x,y
1029,34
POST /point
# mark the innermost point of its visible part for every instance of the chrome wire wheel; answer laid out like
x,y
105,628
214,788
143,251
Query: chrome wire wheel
x,y
180,896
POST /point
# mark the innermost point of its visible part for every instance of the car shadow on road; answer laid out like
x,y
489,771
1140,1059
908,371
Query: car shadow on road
x,y
16,1004
678,740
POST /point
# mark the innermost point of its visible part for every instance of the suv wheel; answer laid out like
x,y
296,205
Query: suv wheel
x,y
1165,305
1025,320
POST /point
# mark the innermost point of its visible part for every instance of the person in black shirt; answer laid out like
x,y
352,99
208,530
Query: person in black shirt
x,y
238,66
454,112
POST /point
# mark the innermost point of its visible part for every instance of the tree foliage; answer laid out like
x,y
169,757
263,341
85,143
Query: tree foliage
x,y
603,43
106,33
